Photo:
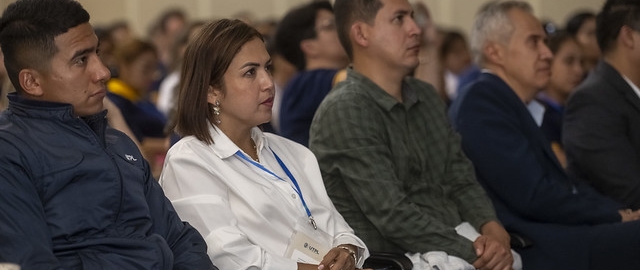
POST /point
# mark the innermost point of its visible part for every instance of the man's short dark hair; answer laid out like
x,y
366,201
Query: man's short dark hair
x,y
614,15
296,26
28,29
349,11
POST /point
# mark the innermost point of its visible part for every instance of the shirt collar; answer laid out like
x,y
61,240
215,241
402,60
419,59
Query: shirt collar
x,y
386,101
537,111
486,70
223,147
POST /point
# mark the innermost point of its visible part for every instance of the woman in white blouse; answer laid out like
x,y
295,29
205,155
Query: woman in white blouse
x,y
258,199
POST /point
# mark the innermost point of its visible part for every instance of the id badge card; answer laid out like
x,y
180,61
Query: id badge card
x,y
307,245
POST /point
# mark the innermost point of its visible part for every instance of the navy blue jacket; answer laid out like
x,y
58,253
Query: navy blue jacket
x,y
75,194
301,99
530,190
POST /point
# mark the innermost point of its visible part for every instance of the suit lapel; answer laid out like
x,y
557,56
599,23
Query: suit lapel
x,y
633,98
620,85
536,135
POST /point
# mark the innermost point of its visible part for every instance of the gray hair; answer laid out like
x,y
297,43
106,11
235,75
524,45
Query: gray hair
x,y
492,23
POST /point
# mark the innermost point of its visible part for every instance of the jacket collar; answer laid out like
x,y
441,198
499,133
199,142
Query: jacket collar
x,y
618,83
55,111
21,105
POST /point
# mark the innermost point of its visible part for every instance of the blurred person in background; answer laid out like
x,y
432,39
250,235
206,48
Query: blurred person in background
x,y
120,32
162,34
472,73
430,68
567,72
602,120
307,38
167,93
114,116
137,62
116,120
282,73
455,57
107,46
582,25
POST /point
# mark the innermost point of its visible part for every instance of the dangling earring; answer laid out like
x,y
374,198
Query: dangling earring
x,y
216,112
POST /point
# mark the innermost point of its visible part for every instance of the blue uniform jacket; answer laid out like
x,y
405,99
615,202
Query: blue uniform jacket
x,y
75,194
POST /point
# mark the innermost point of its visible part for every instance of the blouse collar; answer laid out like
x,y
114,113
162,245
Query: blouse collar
x,y
223,147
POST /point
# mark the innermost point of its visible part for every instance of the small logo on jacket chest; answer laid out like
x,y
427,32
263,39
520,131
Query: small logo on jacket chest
x,y
130,157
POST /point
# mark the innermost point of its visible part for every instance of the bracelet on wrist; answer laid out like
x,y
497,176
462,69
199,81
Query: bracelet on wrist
x,y
351,252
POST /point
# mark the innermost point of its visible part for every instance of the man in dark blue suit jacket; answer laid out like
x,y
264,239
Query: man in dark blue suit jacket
x,y
602,121
570,224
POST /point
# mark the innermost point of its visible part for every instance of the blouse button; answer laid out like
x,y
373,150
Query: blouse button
x,y
293,196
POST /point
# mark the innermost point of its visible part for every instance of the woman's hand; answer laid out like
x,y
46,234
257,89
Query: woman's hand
x,y
339,258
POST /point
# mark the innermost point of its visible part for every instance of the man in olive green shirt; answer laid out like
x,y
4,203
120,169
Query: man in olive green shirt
x,y
391,163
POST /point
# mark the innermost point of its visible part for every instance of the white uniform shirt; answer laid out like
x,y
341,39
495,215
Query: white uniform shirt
x,y
246,215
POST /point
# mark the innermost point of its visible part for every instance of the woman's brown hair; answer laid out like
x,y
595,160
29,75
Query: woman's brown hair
x,y
206,60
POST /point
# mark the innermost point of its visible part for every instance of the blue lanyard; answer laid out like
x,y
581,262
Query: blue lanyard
x,y
286,171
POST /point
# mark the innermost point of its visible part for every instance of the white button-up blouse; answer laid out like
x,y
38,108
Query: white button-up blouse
x,y
246,215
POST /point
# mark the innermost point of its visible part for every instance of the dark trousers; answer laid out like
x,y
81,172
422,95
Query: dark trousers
x,y
600,247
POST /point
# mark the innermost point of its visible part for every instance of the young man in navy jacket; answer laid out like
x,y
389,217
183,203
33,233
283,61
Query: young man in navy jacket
x,y
74,193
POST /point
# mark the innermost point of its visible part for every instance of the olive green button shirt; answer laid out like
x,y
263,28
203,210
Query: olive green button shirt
x,y
395,170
